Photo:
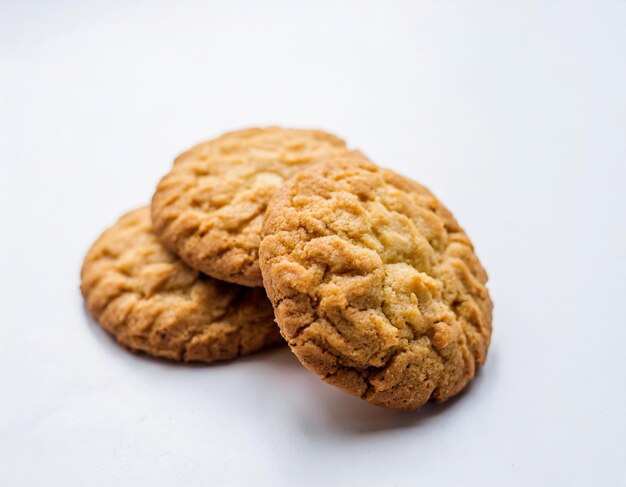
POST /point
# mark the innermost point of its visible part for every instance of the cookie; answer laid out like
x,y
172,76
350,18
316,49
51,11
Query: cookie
x,y
374,284
151,301
209,208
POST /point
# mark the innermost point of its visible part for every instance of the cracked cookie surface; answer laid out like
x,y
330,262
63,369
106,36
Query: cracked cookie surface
x,y
151,301
375,286
209,208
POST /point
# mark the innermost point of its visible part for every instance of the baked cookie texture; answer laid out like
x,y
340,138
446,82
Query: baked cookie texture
x,y
374,284
150,301
209,208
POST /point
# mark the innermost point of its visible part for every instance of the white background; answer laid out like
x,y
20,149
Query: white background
x,y
513,113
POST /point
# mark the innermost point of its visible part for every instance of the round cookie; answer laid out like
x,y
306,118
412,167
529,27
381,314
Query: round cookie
x,y
150,301
375,286
209,208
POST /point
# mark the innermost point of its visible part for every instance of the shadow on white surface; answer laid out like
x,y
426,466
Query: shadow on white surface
x,y
352,416
325,410
320,410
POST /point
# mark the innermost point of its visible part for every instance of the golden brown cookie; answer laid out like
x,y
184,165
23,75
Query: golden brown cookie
x,y
209,208
150,301
375,286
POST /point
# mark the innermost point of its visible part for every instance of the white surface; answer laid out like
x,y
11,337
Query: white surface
x,y
513,113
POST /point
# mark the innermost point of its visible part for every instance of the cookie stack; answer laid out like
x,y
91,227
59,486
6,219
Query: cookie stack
x,y
371,281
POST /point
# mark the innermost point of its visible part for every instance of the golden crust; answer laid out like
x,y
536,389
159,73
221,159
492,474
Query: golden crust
x,y
150,301
209,208
375,286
